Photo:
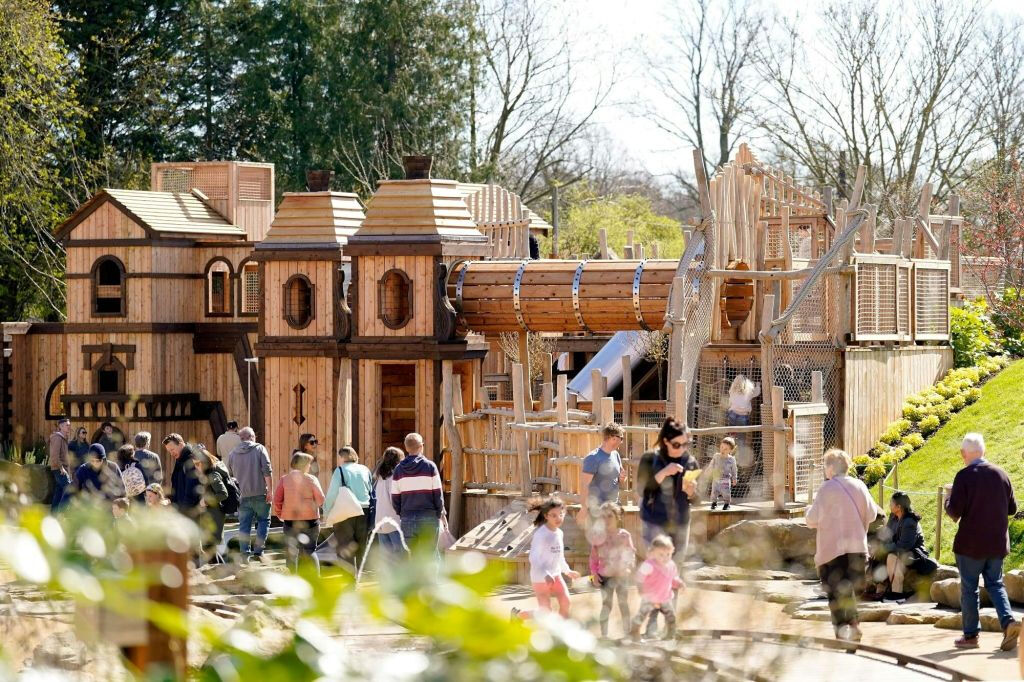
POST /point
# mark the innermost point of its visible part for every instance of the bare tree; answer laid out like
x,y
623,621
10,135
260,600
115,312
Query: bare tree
x,y
1001,84
894,91
702,72
527,125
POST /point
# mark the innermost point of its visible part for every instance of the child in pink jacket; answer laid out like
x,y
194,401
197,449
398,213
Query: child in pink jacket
x,y
612,559
658,577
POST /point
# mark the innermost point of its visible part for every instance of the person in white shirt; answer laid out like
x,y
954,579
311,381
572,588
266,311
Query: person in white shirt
x,y
547,558
385,519
842,511
228,441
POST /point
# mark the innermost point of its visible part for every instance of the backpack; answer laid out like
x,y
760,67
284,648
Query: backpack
x,y
230,504
133,480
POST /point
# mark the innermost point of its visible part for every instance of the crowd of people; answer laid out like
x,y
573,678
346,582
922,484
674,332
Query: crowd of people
x,y
859,553
401,500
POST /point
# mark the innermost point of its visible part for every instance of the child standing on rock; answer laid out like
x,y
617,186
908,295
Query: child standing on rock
x,y
612,559
723,473
658,577
547,558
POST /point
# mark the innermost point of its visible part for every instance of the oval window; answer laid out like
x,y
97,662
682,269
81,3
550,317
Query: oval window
x,y
395,299
298,301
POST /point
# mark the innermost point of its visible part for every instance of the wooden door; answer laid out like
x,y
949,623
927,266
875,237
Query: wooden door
x,y
397,403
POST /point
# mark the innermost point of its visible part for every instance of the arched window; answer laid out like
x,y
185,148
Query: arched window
x,y
53,406
298,301
218,288
249,291
108,288
109,377
394,299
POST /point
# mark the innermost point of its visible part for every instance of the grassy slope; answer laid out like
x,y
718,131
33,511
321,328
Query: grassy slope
x,y
999,416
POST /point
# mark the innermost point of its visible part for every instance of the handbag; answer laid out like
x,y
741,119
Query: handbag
x,y
445,539
345,506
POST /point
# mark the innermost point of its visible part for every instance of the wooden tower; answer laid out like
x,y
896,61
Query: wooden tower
x,y
404,327
305,323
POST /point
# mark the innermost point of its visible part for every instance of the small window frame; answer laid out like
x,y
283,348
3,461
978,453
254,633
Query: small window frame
x,y
114,365
382,284
229,282
287,313
240,278
48,402
94,278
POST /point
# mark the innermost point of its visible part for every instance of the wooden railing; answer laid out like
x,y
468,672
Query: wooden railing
x,y
149,408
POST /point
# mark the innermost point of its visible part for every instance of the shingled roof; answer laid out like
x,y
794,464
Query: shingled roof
x,y
314,219
158,213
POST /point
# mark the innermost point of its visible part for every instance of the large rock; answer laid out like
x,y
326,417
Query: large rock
x,y
739,574
1014,582
954,621
947,593
773,544
61,650
944,572
916,616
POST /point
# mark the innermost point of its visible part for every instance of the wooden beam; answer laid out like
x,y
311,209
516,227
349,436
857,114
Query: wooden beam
x,y
679,402
627,397
701,179
858,188
607,411
817,387
524,360
450,384
602,240
596,388
778,394
562,400
521,437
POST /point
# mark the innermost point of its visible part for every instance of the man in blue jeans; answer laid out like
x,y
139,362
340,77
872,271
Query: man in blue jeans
x,y
981,499
60,464
249,464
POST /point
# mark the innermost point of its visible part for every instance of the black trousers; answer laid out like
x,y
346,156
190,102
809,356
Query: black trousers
x,y
843,579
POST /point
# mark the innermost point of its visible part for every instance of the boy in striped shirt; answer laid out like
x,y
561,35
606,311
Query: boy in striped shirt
x,y
417,495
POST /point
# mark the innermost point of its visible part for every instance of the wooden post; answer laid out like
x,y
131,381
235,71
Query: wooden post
x,y
546,369
676,303
562,400
881,491
602,239
627,399
524,360
547,397
779,442
654,250
679,401
521,437
817,387
638,252
940,511
554,221
895,476
596,390
627,251
449,386
607,411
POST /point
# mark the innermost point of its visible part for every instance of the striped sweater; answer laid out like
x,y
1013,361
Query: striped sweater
x,y
416,488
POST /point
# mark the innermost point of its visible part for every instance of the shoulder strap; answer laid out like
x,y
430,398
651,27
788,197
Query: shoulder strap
x,y
341,472
852,501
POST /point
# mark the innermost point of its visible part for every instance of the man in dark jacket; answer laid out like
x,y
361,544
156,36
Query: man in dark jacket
x,y
60,463
186,483
98,478
981,499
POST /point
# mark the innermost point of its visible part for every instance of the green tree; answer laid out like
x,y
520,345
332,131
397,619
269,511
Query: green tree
x,y
587,214
39,133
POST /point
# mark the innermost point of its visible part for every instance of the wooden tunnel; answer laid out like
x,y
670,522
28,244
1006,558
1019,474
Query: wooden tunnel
x,y
561,295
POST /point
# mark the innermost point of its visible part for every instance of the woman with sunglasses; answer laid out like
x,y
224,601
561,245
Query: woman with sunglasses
x,y
78,448
308,444
665,494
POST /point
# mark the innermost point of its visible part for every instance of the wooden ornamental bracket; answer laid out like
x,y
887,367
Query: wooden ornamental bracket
x,y
299,416
406,305
445,317
342,312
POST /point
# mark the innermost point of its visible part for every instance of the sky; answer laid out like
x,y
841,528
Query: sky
x,y
611,34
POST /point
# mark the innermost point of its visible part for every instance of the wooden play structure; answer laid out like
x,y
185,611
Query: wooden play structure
x,y
195,303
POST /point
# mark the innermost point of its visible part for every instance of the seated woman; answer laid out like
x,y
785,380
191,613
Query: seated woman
x,y
904,543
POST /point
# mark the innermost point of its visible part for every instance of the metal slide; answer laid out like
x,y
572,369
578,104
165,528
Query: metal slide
x,y
609,361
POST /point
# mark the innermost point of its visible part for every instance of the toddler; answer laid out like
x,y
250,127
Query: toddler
x,y
612,558
658,577
547,558
741,397
723,473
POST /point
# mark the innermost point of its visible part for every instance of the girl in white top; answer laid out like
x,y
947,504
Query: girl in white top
x,y
385,519
741,398
547,558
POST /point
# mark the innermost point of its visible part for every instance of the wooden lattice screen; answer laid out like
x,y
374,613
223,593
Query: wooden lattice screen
x,y
931,301
882,307
806,446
